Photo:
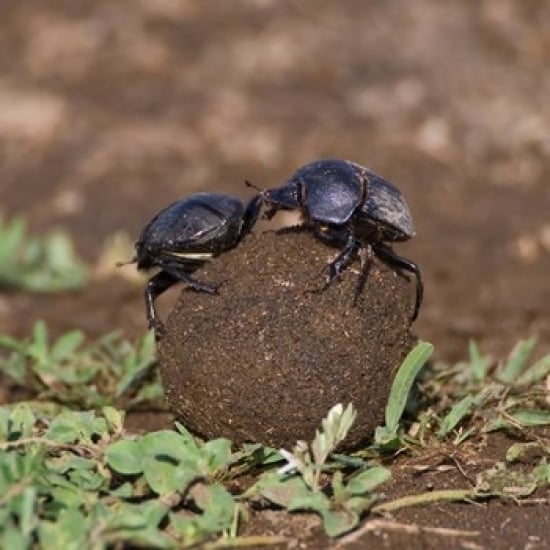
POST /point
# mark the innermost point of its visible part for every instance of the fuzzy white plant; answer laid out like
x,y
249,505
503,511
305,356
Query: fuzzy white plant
x,y
308,460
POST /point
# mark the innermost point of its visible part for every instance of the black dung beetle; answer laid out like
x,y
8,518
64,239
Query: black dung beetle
x,y
185,235
349,205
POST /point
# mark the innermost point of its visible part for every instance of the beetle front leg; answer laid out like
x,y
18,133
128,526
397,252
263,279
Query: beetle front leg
x,y
158,284
342,260
390,257
251,214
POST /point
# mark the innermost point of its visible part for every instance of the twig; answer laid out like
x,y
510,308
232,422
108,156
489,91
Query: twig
x,y
79,449
411,529
461,469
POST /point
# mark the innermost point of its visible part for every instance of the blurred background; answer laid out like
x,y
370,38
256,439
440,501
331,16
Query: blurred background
x,y
111,110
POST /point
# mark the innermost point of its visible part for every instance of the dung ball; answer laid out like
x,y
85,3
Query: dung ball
x,y
266,358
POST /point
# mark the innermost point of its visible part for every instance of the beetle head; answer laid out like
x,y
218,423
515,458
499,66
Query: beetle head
x,y
287,196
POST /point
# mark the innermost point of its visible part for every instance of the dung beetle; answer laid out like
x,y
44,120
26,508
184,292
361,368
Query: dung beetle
x,y
185,235
349,205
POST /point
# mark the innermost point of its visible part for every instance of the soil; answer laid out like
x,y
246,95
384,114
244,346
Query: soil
x,y
109,111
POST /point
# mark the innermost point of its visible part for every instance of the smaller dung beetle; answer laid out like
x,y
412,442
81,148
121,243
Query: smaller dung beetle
x,y
185,235
349,205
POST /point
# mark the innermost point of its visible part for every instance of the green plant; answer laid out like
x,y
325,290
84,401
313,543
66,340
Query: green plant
x,y
46,264
339,502
85,375
77,479
388,437
482,395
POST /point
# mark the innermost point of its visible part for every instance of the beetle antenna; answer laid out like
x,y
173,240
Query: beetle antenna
x,y
127,262
249,184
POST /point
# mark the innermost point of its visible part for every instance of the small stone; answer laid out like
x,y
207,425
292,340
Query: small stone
x,y
264,361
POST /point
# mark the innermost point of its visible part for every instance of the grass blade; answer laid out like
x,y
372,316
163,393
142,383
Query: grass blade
x,y
536,372
403,382
516,361
479,362
529,418
455,415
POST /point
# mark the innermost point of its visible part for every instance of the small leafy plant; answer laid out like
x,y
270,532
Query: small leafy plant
x,y
340,502
84,375
77,479
47,264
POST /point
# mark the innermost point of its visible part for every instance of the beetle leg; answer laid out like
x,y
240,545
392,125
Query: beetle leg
x,y
342,260
389,256
179,271
251,214
158,284
193,283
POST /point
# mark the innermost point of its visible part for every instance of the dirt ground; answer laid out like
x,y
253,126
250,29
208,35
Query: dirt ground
x,y
110,110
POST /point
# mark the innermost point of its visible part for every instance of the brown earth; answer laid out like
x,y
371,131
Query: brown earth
x,y
109,110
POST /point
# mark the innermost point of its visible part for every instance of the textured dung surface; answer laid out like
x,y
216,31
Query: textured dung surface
x,y
267,358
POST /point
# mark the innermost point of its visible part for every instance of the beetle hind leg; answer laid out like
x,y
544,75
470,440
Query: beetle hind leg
x,y
195,284
390,257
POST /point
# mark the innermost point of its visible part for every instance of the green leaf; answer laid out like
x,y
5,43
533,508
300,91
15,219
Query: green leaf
x,y
114,418
516,361
125,457
518,450
124,491
169,444
162,475
282,491
334,429
479,363
66,345
11,343
217,453
23,506
532,417
338,522
21,421
500,481
366,481
309,500
387,440
218,507
38,349
218,515
535,373
403,382
136,524
71,427
455,415
542,473
68,532
12,538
